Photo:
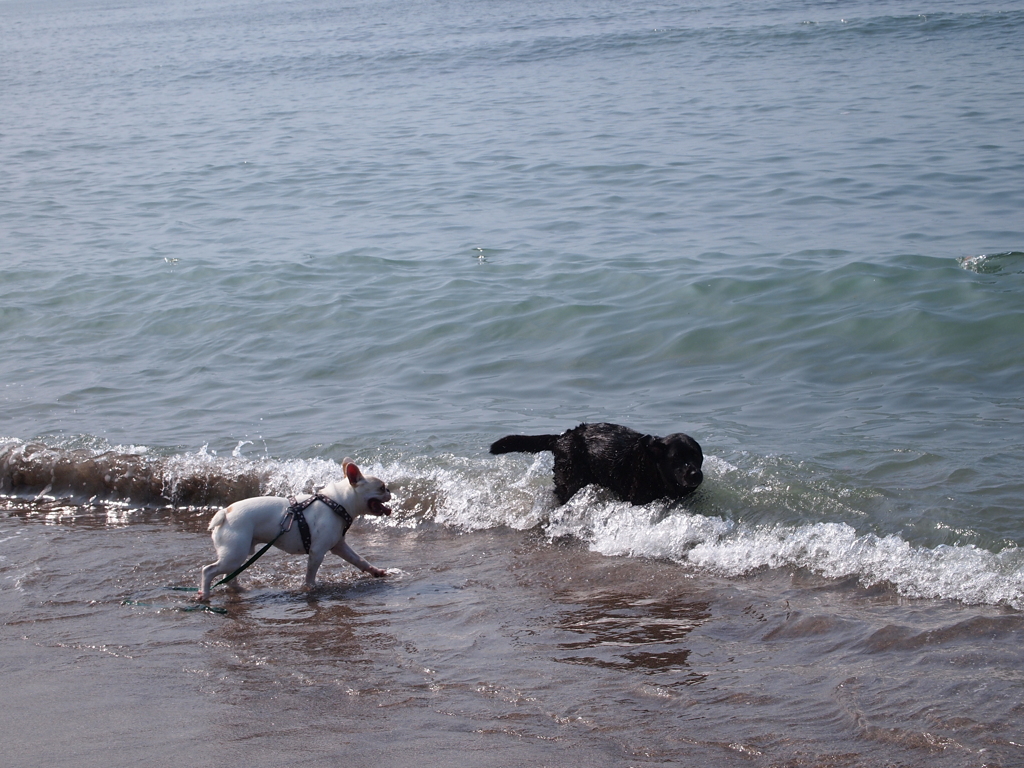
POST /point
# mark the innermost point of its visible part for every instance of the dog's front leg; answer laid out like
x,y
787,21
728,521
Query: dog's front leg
x,y
343,550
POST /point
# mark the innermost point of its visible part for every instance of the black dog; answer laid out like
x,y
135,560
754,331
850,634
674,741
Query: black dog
x,y
639,468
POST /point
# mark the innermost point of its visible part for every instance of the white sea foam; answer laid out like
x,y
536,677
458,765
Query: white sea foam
x,y
467,493
834,550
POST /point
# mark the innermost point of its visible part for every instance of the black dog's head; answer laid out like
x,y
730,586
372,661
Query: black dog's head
x,y
678,458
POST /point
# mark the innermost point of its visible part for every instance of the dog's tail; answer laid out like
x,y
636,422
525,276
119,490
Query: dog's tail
x,y
218,519
524,444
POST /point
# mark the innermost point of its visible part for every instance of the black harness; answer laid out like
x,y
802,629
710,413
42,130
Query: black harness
x,y
295,513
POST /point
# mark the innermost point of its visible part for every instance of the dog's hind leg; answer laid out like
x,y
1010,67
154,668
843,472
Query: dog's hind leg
x,y
209,572
228,559
315,560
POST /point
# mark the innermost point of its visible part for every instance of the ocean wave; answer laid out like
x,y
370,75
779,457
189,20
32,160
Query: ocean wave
x,y
477,41
473,494
479,493
836,551
142,478
1010,262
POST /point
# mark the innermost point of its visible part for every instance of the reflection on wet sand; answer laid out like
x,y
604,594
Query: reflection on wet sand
x,y
634,633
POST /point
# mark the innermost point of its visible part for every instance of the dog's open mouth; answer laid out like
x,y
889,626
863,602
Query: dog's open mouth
x,y
377,507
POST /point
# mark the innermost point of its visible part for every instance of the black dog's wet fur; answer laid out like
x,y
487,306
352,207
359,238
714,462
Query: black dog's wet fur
x,y
638,468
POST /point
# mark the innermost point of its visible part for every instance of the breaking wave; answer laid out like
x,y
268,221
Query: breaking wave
x,y
994,263
138,477
476,493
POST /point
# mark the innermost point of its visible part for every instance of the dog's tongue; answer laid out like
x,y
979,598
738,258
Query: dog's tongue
x,y
377,507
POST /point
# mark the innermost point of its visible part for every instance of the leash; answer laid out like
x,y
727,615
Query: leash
x,y
295,513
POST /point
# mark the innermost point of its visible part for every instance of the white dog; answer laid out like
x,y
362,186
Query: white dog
x,y
318,526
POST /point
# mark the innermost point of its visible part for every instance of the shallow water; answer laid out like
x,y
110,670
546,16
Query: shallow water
x,y
240,243
486,646
555,636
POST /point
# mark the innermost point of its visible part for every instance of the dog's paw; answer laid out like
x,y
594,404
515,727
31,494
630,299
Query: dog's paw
x,y
377,573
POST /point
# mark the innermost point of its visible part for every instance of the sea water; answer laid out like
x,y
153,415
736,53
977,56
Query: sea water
x,y
241,242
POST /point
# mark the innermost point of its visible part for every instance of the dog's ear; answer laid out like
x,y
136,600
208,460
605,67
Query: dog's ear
x,y
352,472
653,445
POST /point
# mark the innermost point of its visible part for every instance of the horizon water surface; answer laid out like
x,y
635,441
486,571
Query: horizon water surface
x,y
241,242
